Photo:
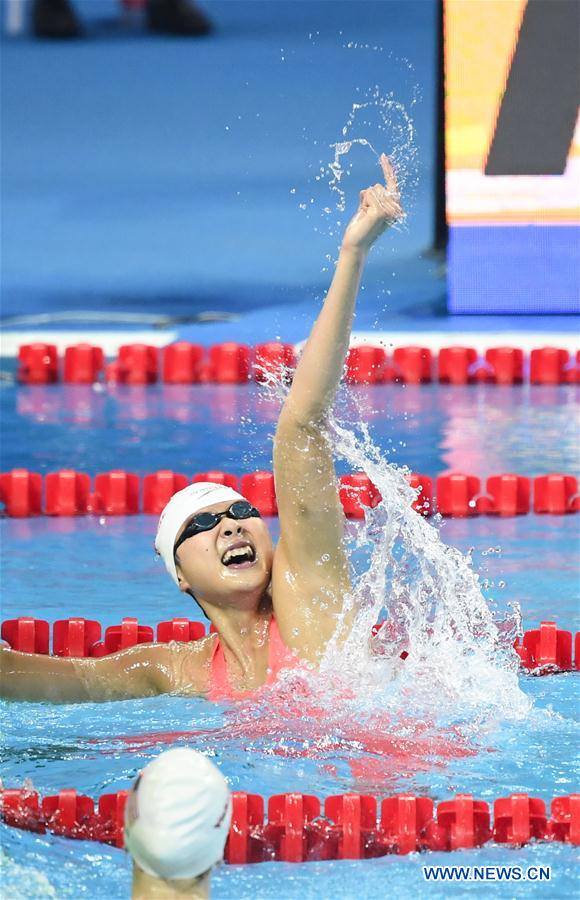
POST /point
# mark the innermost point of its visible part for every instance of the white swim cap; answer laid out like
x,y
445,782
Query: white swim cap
x,y
181,811
182,506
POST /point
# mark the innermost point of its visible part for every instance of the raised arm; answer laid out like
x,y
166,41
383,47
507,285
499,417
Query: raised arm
x,y
141,671
310,574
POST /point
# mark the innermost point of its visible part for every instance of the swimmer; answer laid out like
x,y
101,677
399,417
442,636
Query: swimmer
x,y
177,820
271,607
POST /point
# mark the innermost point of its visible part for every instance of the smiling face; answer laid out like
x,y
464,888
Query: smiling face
x,y
230,565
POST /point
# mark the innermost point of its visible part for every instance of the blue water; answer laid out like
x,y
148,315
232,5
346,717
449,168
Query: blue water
x,y
54,568
478,429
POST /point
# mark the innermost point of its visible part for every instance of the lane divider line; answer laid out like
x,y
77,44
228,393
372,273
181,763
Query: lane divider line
x,y
234,363
545,650
121,493
301,828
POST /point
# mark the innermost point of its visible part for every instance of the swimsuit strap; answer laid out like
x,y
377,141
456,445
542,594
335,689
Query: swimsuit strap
x,y
279,657
219,681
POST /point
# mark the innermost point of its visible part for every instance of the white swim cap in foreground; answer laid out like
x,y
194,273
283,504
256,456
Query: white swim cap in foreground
x,y
182,506
181,811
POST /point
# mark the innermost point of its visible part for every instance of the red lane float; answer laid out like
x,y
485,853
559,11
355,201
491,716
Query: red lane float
x,y
456,495
258,488
507,495
463,823
233,363
548,365
26,634
69,814
182,630
292,833
296,832
159,488
455,365
356,492
365,365
38,364
67,493
506,364
21,493
413,365
135,364
229,363
274,359
116,494
75,636
120,637
518,819
546,648
542,650
83,364
564,822
355,818
183,363
404,820
245,841
556,494
572,370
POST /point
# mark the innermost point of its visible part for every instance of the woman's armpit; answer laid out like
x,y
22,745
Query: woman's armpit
x,y
186,668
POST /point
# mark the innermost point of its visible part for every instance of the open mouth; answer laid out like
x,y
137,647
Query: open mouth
x,y
241,555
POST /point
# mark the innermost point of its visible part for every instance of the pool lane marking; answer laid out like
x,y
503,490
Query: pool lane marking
x,y
110,341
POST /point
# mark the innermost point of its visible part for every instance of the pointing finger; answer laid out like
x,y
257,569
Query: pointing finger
x,y
389,173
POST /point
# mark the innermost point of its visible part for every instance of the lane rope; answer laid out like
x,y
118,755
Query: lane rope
x,y
234,363
120,493
544,650
301,828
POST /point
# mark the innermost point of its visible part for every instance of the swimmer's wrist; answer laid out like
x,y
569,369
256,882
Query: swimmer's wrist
x,y
353,252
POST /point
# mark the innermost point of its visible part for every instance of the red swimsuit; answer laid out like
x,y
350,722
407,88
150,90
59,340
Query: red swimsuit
x,y
279,657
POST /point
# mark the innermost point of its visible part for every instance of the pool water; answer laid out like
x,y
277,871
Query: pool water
x,y
53,568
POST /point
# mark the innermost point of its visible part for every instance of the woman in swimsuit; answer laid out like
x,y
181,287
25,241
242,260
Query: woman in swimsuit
x,y
270,606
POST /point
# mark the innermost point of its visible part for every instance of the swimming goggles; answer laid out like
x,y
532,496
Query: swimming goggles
x,y
205,521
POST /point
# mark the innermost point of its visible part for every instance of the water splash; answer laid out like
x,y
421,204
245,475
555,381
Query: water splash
x,y
392,123
461,669
377,122
461,662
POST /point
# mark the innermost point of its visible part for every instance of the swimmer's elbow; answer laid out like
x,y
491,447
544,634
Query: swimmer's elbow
x,y
300,422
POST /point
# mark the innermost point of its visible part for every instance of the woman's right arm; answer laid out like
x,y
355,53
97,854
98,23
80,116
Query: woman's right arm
x,y
141,671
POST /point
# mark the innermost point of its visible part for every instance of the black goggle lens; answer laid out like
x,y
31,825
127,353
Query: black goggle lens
x,y
240,509
203,521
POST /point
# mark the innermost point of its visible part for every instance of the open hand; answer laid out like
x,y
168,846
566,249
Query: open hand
x,y
380,207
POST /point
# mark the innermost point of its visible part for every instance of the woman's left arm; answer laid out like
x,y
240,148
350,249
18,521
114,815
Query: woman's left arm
x,y
310,574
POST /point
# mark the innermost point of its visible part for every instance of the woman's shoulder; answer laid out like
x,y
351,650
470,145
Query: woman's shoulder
x,y
184,666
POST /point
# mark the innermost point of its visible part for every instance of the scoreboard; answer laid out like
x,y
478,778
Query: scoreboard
x,y
512,149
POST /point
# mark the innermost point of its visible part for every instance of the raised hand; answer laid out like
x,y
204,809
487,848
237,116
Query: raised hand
x,y
380,207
